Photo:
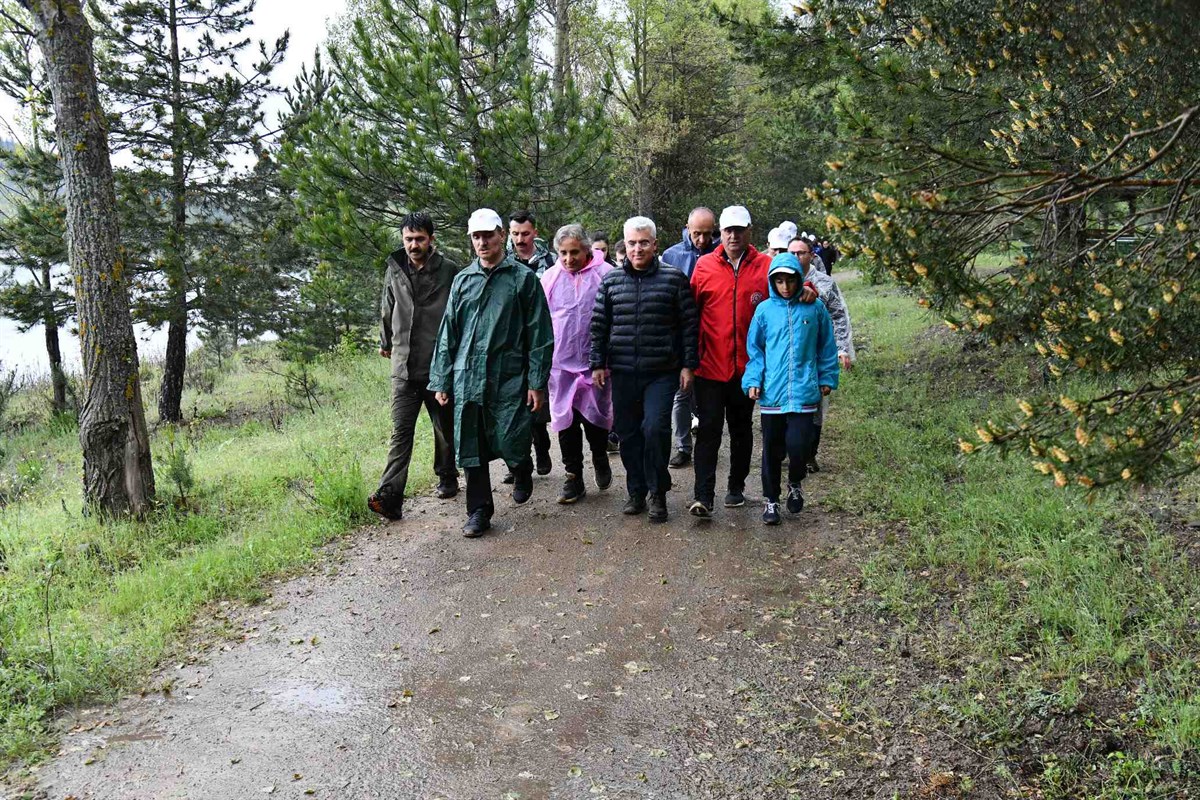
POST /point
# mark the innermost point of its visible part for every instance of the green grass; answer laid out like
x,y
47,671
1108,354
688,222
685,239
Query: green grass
x,y
1065,606
270,488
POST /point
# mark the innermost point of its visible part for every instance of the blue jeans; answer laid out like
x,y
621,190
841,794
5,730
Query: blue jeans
x,y
642,421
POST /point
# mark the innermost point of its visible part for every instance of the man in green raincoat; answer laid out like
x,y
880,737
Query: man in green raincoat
x,y
493,356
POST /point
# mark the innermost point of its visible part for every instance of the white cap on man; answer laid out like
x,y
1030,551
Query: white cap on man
x,y
789,229
778,239
484,219
735,217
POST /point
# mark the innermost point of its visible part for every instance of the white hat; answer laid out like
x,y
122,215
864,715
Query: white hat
x,y
778,239
735,217
484,219
789,229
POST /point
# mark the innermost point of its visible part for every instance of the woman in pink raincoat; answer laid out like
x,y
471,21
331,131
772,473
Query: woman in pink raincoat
x,y
578,408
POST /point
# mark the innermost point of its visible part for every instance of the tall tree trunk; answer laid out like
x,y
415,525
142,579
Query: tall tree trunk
x,y
562,46
117,474
58,381
171,392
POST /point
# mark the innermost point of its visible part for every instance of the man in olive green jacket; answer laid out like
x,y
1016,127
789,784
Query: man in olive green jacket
x,y
415,290
493,358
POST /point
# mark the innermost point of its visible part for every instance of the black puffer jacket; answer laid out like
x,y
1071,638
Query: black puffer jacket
x,y
644,321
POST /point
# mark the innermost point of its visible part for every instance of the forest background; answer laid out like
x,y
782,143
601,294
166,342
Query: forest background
x,y
1025,173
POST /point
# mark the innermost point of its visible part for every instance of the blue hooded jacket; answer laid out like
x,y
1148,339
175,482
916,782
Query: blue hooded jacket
x,y
684,255
792,350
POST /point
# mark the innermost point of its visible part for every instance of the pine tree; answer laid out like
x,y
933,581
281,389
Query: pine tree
x,y
438,106
33,246
118,477
182,104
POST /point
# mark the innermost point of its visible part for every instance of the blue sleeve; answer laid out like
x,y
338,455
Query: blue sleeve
x,y
828,367
756,339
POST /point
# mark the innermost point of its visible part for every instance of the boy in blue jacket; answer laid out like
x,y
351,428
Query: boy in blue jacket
x,y
793,362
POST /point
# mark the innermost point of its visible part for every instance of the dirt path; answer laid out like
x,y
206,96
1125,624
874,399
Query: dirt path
x,y
573,652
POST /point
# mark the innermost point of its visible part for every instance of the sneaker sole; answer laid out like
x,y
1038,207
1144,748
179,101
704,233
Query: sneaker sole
x,y
568,501
475,534
658,520
735,505
772,522
700,511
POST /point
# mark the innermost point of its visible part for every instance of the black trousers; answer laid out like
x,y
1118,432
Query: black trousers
x,y
479,479
541,430
642,421
721,403
570,444
407,399
790,435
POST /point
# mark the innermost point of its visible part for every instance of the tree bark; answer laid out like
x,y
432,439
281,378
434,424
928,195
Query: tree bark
x,y
118,477
58,381
562,45
170,396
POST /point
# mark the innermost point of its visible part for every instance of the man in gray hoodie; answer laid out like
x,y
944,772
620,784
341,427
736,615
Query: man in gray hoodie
x,y
415,290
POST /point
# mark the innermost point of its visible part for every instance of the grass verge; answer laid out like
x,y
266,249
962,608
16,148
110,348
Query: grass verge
x,y
89,608
1064,626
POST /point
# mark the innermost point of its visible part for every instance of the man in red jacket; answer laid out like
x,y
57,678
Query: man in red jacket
x,y
728,284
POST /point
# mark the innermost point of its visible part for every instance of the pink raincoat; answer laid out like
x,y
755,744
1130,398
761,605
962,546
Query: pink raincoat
x,y
570,297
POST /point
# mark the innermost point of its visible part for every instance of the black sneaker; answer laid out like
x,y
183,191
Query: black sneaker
x,y
771,514
735,499
700,509
478,523
447,488
573,490
795,500
522,490
614,444
813,466
658,508
680,459
543,463
385,504
603,473
508,478
634,505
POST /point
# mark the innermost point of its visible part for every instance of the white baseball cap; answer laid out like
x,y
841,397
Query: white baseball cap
x,y
778,239
735,217
484,219
789,229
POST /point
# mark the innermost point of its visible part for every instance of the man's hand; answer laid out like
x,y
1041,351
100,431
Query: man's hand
x,y
385,353
442,397
535,399
754,393
847,364
810,293
600,377
825,390
686,377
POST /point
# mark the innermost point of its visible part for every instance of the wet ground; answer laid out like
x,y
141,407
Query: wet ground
x,y
571,653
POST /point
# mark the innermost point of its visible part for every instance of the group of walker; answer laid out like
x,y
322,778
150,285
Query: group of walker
x,y
523,338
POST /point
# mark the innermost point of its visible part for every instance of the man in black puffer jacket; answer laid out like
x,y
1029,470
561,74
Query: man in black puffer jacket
x,y
644,336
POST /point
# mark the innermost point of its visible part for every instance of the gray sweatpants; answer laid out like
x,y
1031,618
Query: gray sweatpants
x,y
681,421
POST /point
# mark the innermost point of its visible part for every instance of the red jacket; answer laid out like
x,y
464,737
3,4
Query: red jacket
x,y
725,302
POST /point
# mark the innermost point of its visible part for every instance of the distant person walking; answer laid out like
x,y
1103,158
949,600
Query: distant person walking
x,y
416,287
699,239
643,337
835,303
529,251
792,365
493,353
579,408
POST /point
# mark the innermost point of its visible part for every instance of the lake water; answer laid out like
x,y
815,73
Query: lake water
x,y
26,352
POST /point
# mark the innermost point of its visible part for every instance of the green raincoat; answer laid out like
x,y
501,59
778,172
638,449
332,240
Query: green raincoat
x,y
494,344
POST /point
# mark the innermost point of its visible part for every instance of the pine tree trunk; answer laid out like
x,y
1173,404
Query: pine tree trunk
x,y
58,381
118,477
562,45
170,396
